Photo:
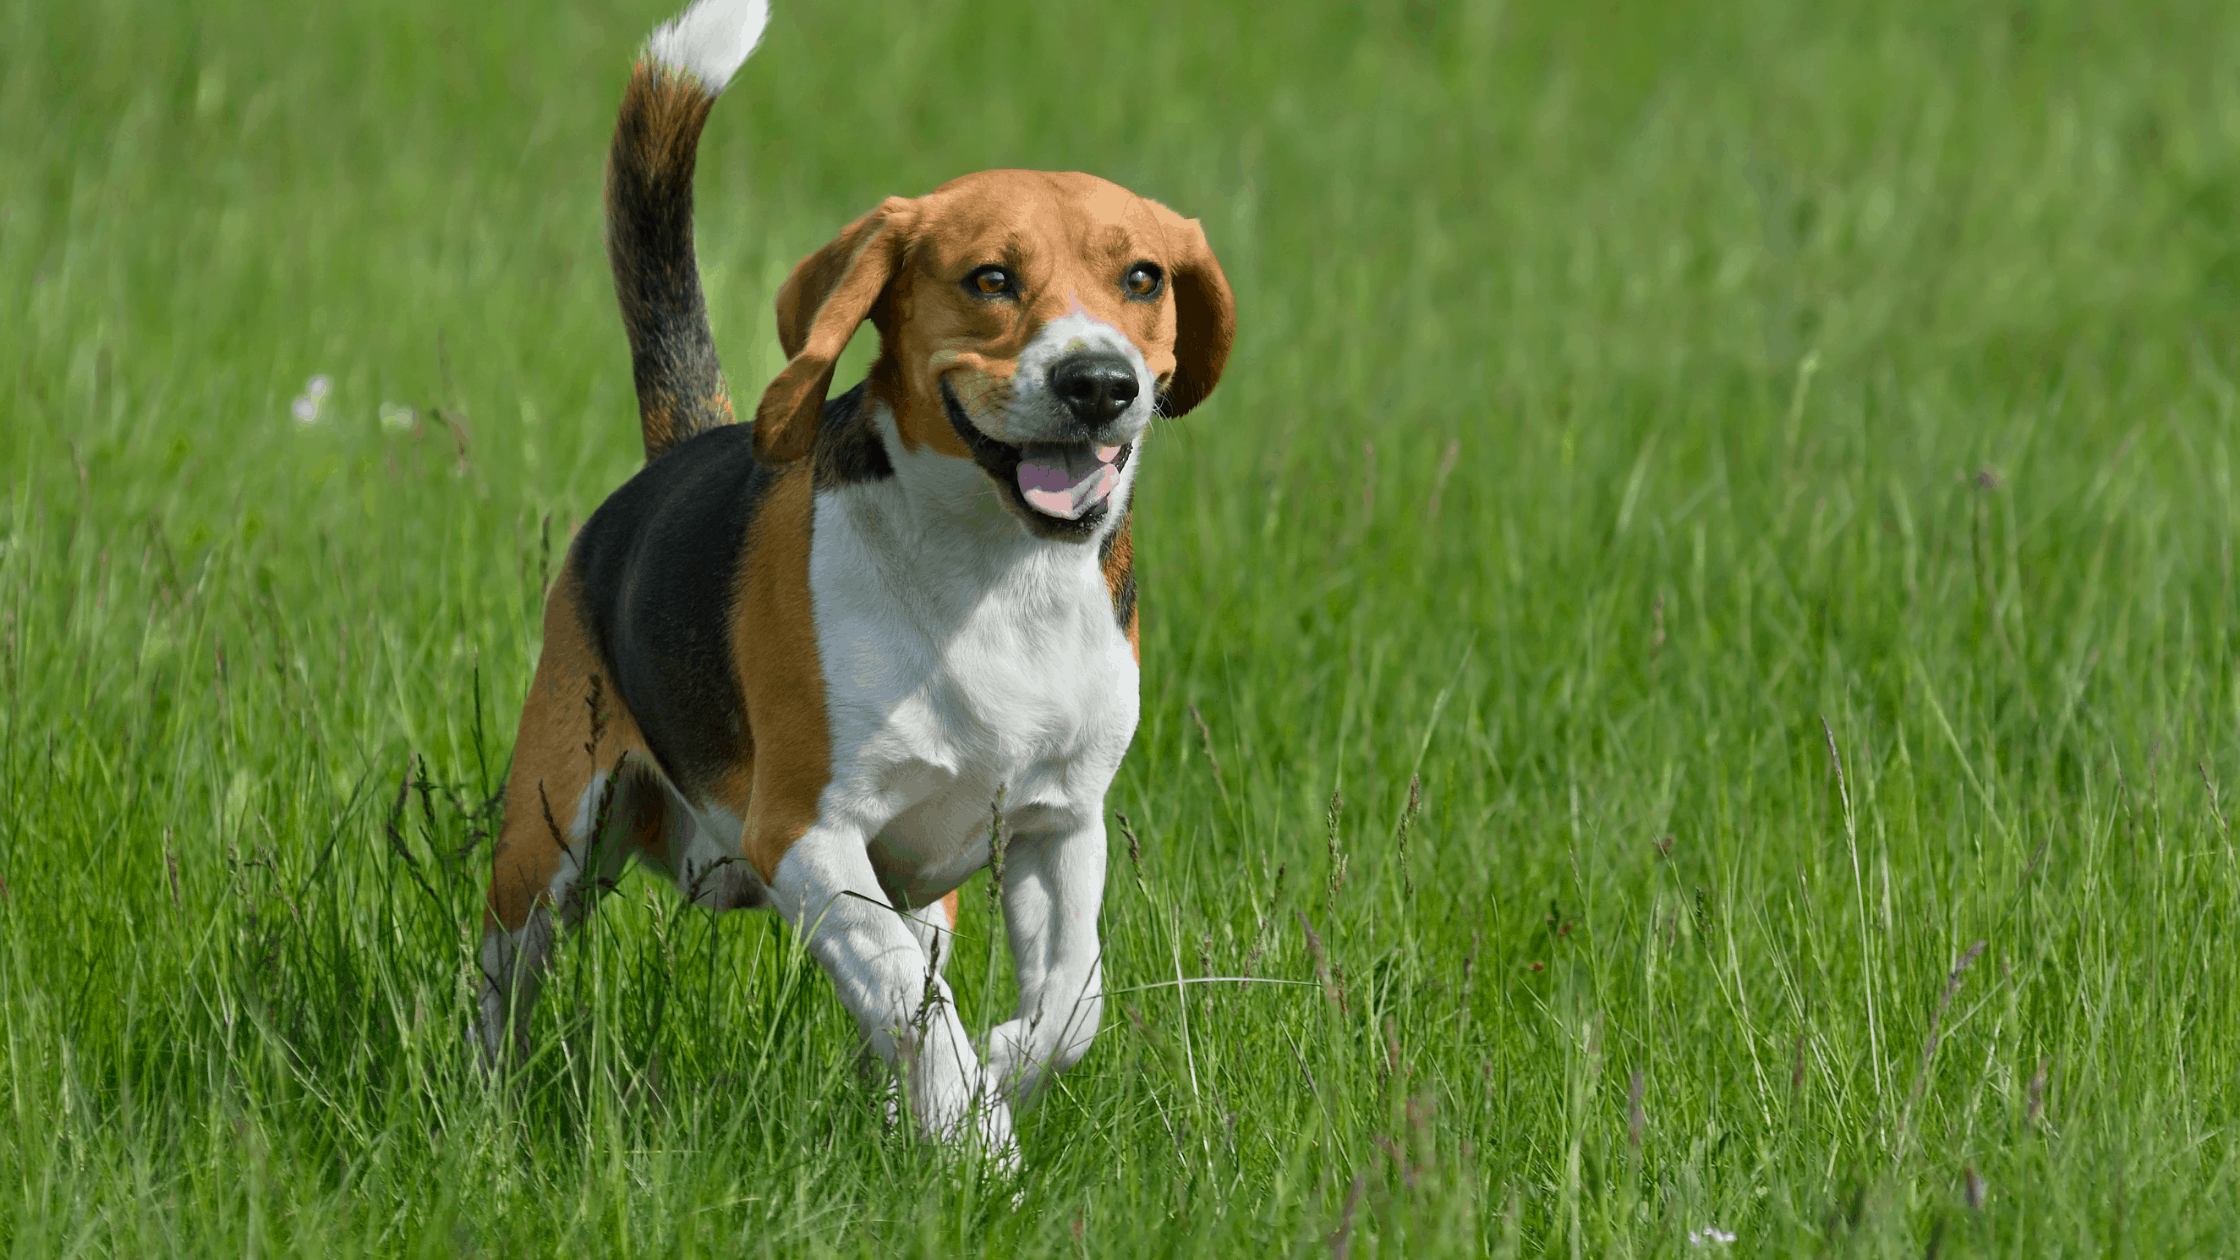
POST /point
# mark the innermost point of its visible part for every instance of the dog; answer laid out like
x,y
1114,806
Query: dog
x,y
835,661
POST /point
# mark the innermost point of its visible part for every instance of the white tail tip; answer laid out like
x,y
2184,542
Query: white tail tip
x,y
710,40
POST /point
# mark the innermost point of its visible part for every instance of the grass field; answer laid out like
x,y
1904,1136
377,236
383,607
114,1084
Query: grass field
x,y
1767,469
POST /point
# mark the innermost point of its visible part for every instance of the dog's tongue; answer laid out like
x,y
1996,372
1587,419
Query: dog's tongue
x,y
1066,481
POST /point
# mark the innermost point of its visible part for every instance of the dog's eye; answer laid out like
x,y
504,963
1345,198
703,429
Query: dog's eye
x,y
990,282
1143,280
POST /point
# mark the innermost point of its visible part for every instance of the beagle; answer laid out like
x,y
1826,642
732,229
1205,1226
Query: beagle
x,y
817,662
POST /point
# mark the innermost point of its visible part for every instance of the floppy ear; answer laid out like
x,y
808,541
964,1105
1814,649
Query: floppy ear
x,y
819,307
1205,317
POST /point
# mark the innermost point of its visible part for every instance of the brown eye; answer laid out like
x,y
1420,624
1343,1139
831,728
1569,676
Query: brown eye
x,y
990,282
1143,280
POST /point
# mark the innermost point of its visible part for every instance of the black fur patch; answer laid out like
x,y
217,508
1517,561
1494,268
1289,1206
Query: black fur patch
x,y
659,563
848,449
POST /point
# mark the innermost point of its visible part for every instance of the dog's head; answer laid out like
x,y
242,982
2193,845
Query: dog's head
x,y
1031,322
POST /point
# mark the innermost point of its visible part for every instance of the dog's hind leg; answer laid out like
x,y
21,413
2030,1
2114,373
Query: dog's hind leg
x,y
580,796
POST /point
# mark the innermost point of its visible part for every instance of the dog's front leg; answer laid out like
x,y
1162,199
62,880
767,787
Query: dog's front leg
x,y
1053,886
826,888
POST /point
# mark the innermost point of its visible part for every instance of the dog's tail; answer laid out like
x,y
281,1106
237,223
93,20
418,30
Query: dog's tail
x,y
684,67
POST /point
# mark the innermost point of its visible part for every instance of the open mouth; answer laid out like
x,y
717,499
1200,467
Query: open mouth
x,y
1062,488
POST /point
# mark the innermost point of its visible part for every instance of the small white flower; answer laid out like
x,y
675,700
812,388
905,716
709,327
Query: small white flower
x,y
1709,1236
306,406
398,418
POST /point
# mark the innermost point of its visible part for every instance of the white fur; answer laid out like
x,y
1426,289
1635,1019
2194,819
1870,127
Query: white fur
x,y
962,658
710,40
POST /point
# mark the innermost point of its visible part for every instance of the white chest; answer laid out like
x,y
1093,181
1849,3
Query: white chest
x,y
957,672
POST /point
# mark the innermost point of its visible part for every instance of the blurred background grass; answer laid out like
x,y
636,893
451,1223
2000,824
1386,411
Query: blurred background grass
x,y
1639,413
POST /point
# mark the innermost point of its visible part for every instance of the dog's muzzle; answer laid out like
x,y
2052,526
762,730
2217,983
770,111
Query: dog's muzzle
x,y
1061,489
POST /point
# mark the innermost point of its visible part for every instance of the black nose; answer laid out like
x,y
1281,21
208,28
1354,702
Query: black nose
x,y
1096,388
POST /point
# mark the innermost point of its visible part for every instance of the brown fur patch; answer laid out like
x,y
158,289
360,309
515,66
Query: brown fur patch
x,y
819,308
1120,579
573,726
649,826
776,791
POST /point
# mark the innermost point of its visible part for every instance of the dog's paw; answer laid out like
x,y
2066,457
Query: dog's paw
x,y
989,1146
983,1123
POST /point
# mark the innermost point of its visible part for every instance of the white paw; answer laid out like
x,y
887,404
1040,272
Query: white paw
x,y
1017,1064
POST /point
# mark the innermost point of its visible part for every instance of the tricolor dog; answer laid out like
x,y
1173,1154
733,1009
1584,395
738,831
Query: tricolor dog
x,y
797,663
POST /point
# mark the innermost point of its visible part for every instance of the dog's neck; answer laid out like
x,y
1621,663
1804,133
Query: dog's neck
x,y
939,510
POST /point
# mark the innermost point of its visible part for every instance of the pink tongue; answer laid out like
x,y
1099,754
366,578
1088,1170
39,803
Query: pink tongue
x,y
1067,481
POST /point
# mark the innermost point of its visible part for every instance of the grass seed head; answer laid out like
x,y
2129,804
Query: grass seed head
x,y
1331,821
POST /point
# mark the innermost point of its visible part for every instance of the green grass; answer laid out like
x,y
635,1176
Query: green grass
x,y
1769,469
